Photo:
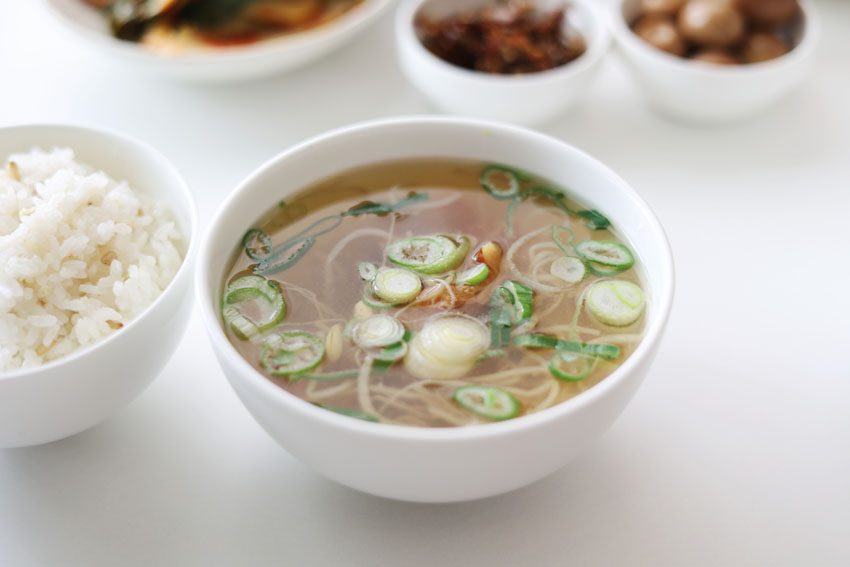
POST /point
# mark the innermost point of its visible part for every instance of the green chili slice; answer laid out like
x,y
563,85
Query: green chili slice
x,y
605,253
488,402
257,244
428,254
569,366
290,353
253,304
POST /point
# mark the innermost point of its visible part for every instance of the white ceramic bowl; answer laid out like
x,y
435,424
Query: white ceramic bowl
x,y
439,464
703,93
221,64
529,99
71,394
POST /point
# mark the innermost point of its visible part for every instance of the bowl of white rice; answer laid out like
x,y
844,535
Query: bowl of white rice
x,y
97,239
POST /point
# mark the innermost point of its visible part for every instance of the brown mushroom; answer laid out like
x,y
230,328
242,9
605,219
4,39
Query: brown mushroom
x,y
769,12
711,23
661,32
660,7
762,46
715,56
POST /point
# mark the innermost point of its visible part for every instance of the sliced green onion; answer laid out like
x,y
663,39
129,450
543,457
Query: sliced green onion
x,y
569,366
566,247
474,275
446,347
568,268
367,271
521,296
611,254
429,254
291,353
488,402
257,244
293,252
595,219
253,304
372,208
396,285
604,271
492,353
500,182
377,331
369,300
501,316
601,350
357,414
615,302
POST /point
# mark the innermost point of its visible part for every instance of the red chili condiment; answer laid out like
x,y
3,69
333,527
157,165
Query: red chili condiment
x,y
507,38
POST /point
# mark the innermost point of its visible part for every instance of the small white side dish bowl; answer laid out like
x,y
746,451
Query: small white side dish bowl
x,y
434,464
528,99
224,64
68,395
704,93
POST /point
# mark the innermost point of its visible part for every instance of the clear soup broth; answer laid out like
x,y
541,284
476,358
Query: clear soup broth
x,y
434,293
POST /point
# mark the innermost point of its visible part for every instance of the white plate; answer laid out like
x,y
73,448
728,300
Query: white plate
x,y
221,64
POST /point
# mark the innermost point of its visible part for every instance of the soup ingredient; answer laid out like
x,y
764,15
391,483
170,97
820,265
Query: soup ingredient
x,y
762,46
500,182
660,31
177,26
474,276
82,255
510,306
429,254
506,37
711,23
396,286
290,353
569,366
377,331
568,268
253,304
616,303
487,401
609,254
446,347
602,350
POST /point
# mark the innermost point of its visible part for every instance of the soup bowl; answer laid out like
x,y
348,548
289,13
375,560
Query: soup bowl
x,y
62,397
418,463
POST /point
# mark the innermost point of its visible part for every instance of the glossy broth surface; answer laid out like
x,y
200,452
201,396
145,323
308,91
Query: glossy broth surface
x,y
324,291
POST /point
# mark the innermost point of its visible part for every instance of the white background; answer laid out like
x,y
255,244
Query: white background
x,y
735,452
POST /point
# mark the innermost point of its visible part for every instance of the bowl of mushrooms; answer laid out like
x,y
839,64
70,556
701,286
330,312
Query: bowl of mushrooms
x,y
715,61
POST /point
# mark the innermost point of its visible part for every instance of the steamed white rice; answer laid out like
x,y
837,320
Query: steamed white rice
x,y
81,255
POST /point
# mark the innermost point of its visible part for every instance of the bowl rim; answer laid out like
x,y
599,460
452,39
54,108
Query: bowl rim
x,y
628,41
347,22
191,212
596,50
205,282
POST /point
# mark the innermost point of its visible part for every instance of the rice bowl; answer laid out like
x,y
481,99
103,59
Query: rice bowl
x,y
84,254
82,388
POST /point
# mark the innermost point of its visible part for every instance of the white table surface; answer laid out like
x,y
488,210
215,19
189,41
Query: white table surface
x,y
735,452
